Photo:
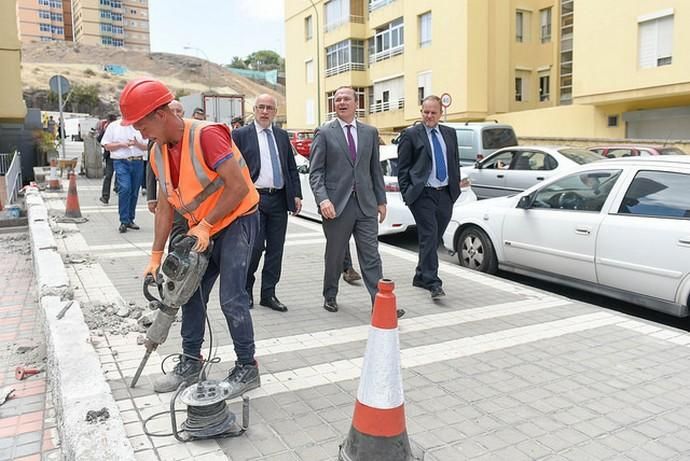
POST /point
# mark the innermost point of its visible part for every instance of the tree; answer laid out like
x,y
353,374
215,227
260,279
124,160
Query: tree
x,y
237,63
84,97
264,60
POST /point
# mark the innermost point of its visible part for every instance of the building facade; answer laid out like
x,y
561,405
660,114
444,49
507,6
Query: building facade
x,y
12,106
115,23
556,68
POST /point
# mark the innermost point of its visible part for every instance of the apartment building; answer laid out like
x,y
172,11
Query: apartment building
x,y
116,23
551,68
12,106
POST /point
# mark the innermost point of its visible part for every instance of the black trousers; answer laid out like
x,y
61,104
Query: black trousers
x,y
431,211
107,178
270,241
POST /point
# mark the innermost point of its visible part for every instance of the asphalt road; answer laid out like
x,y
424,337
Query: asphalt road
x,y
408,240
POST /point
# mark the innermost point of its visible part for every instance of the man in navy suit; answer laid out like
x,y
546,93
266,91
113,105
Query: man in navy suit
x,y
268,154
429,179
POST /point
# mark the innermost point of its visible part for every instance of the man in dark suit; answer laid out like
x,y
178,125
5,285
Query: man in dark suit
x,y
346,178
266,149
429,179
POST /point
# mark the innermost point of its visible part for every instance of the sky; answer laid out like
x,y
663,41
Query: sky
x,y
217,29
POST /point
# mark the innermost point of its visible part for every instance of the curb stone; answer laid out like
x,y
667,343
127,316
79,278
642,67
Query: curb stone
x,y
75,374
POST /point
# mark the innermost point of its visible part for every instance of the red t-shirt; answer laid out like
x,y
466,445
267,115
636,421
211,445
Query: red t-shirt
x,y
215,143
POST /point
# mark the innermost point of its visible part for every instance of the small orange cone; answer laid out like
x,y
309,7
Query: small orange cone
x,y
53,181
72,208
378,431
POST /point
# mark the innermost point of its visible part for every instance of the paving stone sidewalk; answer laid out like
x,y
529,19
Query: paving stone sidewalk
x,y
495,371
27,419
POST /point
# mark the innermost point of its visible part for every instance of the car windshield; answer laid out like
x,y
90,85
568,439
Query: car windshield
x,y
580,156
670,151
495,138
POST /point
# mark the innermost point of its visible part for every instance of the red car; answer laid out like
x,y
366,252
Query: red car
x,y
635,151
301,141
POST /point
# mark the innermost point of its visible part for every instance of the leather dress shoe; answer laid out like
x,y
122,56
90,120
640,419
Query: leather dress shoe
x,y
274,304
122,228
351,276
330,305
418,284
133,225
437,293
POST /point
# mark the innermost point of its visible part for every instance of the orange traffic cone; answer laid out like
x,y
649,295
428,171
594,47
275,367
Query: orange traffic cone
x,y
53,181
72,208
378,431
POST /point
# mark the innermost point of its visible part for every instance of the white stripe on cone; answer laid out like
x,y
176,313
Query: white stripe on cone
x,y
380,385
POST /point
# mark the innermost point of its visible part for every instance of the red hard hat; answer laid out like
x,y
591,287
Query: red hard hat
x,y
142,96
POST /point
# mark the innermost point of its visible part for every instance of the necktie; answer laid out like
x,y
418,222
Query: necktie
x,y
438,156
351,144
275,163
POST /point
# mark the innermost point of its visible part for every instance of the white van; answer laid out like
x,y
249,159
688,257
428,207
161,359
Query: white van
x,y
477,140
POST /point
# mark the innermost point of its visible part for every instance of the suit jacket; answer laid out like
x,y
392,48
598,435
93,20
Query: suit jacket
x,y
414,162
247,142
333,175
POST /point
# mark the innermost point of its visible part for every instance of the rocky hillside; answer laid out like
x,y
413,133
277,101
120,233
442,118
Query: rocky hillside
x,y
84,65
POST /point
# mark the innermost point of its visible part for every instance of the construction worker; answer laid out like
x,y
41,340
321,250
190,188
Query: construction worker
x,y
203,176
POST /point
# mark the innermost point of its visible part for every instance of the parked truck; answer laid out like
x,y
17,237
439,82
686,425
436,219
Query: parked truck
x,y
219,108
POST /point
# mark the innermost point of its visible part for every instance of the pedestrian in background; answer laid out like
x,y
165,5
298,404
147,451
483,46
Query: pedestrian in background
x,y
127,149
109,169
429,179
346,178
237,122
201,174
272,167
199,114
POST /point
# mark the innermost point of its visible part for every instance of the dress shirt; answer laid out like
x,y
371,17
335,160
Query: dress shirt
x,y
433,180
115,132
265,179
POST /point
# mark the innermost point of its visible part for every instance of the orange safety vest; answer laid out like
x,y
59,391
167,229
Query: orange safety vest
x,y
199,187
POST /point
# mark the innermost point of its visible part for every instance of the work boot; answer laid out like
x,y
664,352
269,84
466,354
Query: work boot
x,y
187,369
242,379
350,275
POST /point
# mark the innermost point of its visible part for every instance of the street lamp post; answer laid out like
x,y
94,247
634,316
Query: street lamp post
x,y
208,64
318,65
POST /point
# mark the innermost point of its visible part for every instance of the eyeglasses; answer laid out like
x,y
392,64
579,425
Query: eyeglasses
x,y
265,107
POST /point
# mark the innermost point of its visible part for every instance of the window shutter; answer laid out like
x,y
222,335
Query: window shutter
x,y
664,37
648,44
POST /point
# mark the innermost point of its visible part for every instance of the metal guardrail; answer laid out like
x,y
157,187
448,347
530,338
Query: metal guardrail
x,y
396,104
347,67
386,54
11,169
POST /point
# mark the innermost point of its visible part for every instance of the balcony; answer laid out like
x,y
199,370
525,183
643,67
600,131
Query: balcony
x,y
386,54
347,67
376,4
353,19
387,106
359,113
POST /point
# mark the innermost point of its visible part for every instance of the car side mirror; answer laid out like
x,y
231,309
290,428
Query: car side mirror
x,y
525,202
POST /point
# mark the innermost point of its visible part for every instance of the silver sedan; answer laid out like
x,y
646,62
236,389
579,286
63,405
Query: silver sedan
x,y
514,169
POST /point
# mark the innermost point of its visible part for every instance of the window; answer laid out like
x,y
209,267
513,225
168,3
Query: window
x,y
522,20
545,24
617,153
389,41
612,121
344,56
518,89
308,27
424,29
105,14
580,191
388,95
465,138
105,2
44,2
309,71
656,42
658,193
423,85
57,17
43,14
500,161
533,160
544,85
309,112
44,27
337,12
106,27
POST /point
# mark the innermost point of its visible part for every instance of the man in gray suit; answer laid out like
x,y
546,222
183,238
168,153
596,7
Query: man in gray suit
x,y
346,178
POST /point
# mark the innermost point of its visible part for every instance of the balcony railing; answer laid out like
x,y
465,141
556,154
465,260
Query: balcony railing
x,y
344,20
386,54
347,67
376,4
387,106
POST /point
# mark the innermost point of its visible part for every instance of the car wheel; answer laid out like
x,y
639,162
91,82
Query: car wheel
x,y
476,252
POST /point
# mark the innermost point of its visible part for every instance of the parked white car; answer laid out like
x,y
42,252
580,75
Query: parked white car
x,y
398,216
617,227
513,169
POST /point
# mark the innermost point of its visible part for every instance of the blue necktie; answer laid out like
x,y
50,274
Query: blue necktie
x,y
438,156
275,163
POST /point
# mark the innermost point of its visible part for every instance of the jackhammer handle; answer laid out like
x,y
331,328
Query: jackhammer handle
x,y
148,282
